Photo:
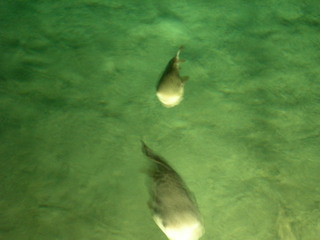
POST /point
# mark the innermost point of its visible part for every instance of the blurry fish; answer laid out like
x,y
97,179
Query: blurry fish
x,y
284,225
173,207
170,87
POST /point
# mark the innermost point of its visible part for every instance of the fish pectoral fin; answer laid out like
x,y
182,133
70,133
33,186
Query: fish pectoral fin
x,y
184,79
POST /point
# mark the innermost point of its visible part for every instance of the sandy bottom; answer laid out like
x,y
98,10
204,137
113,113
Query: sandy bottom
x,y
77,93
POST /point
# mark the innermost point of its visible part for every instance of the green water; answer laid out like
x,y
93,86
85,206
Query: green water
x,y
77,93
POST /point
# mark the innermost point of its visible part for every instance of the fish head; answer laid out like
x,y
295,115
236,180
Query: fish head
x,y
169,98
187,228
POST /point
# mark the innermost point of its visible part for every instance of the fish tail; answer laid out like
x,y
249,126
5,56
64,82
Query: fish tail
x,y
145,149
148,152
154,157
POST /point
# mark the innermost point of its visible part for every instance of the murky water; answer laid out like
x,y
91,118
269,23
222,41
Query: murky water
x,y
78,93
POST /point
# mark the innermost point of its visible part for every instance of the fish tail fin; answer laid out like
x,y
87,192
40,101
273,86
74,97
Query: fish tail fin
x,y
154,157
146,150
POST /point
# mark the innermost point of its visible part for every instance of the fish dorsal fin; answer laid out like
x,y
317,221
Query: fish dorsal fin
x,y
178,52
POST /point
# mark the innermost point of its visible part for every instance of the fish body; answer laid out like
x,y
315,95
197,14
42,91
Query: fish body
x,y
173,206
170,88
285,230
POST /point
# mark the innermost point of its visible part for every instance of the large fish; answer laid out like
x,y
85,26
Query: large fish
x,y
170,87
173,207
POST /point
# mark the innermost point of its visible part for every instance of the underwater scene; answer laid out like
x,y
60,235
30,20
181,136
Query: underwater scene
x,y
147,120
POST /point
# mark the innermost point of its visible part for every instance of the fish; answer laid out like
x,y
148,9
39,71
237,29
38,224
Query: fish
x,y
173,206
284,223
170,87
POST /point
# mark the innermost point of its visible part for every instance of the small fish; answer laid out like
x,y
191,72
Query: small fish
x,y
173,206
170,87
285,231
